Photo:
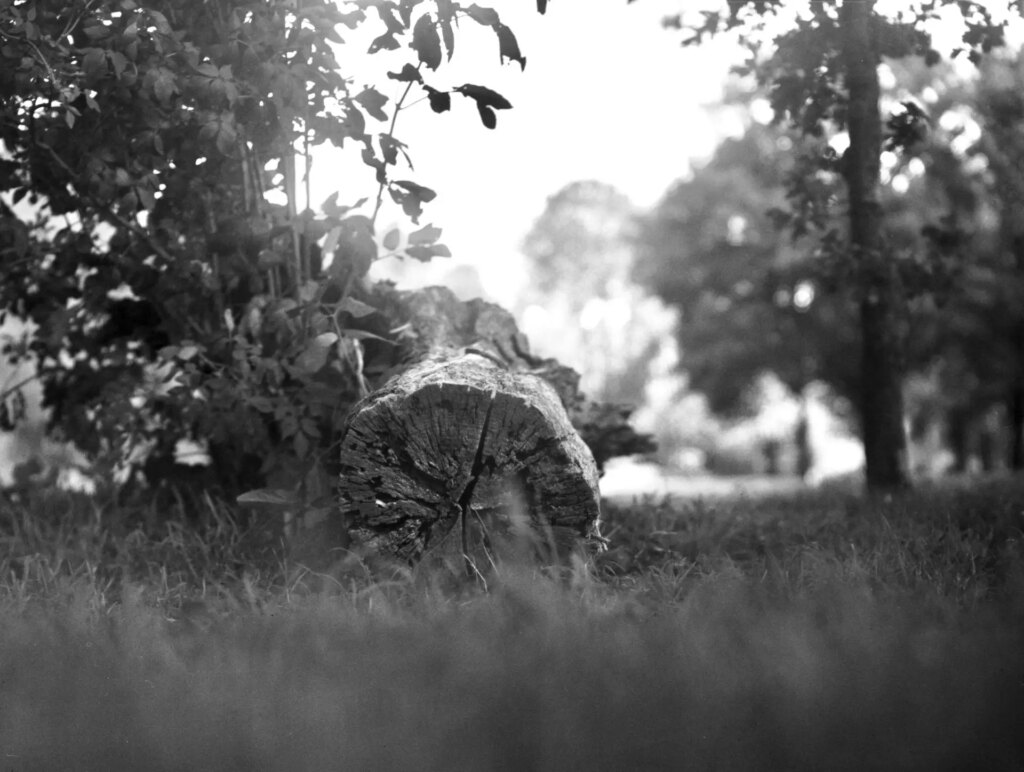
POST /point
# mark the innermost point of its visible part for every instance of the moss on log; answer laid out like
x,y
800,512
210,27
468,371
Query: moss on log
x,y
459,454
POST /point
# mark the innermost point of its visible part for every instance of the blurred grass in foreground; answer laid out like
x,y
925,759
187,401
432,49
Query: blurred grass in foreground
x,y
815,631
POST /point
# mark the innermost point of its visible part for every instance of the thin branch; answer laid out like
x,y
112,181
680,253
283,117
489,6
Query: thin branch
x,y
109,214
42,59
9,390
391,133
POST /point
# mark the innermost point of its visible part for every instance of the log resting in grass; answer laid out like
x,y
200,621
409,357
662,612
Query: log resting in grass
x,y
460,454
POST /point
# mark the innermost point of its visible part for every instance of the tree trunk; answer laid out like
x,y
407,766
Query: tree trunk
x,y
463,459
802,438
1015,403
885,448
1015,413
958,426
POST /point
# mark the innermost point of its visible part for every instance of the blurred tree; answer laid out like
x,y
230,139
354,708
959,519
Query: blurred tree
x,y
823,77
749,301
972,341
1000,108
580,256
582,305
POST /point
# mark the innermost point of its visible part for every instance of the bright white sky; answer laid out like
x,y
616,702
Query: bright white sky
x,y
607,94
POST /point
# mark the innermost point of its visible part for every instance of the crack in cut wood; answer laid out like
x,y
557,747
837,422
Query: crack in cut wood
x,y
467,493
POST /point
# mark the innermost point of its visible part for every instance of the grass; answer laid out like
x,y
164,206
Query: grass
x,y
812,631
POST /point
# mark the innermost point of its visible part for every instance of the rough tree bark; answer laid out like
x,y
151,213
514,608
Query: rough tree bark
x,y
885,448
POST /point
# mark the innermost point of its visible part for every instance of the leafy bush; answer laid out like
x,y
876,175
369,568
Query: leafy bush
x,y
171,296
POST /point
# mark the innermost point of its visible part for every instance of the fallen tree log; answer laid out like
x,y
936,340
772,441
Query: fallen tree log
x,y
434,319
462,457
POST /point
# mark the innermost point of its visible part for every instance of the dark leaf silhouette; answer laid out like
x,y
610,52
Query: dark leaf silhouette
x,y
508,46
426,43
411,197
408,74
487,101
487,115
373,101
486,16
440,101
428,234
385,42
485,96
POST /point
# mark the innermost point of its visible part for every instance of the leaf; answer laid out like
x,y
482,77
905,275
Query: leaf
x,y
118,62
508,46
408,74
426,42
300,443
423,193
94,30
405,8
365,335
485,96
352,125
487,101
391,147
411,197
357,308
94,63
331,208
270,497
487,115
313,357
146,196
445,14
425,253
386,11
352,19
373,102
485,16
387,42
428,234
392,239
164,85
160,21
226,138
440,101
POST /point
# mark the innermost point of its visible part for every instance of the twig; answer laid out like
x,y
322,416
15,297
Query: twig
x,y
391,133
9,390
108,213
42,59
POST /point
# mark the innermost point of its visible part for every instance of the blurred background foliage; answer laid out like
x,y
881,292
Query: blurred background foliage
x,y
759,376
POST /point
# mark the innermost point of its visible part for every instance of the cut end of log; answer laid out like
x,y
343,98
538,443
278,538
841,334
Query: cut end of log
x,y
459,457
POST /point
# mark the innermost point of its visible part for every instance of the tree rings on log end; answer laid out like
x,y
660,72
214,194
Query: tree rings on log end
x,y
458,455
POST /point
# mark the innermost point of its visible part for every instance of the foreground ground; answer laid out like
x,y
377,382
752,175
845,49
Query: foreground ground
x,y
813,630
